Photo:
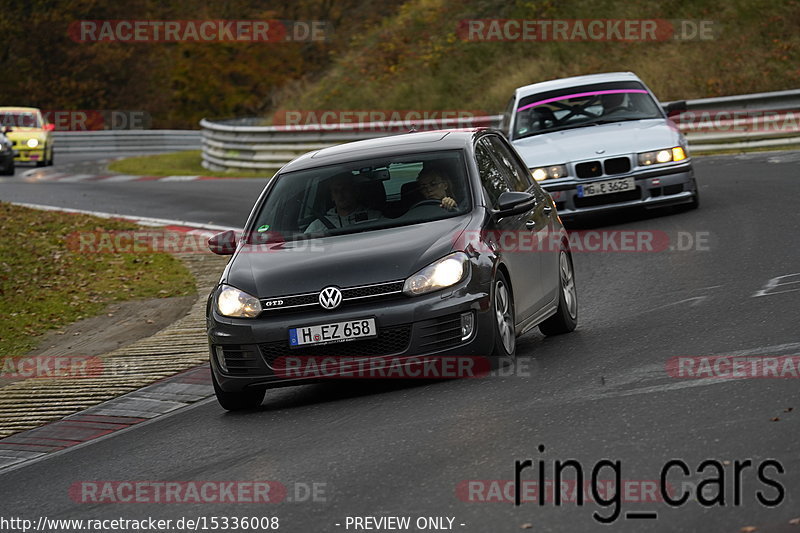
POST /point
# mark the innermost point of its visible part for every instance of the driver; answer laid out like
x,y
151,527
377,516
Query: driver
x,y
612,102
347,209
435,186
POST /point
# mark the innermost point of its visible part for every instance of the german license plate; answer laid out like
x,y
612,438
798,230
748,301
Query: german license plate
x,y
606,187
331,333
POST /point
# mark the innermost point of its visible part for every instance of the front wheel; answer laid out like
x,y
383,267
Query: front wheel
x,y
505,343
238,401
566,317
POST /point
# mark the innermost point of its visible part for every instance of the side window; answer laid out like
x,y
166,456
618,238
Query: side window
x,y
493,179
520,176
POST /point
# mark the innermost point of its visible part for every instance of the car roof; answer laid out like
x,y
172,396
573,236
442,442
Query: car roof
x,y
575,81
23,109
427,141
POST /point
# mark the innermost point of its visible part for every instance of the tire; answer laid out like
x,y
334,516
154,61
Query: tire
x,y
49,162
238,401
9,170
566,317
505,337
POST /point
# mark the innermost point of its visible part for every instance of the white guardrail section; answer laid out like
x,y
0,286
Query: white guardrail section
x,y
126,141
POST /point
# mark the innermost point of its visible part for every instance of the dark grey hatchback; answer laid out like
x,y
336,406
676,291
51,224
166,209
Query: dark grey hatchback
x,y
413,247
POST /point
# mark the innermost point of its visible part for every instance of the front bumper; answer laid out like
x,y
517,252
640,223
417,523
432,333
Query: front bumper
x,y
407,327
30,155
659,187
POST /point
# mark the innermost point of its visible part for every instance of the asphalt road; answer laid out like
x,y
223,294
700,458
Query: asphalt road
x,y
602,392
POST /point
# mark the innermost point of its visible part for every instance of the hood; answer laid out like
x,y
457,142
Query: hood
x,y
580,144
343,260
26,133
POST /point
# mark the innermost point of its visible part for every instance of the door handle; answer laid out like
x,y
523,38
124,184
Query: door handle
x,y
530,224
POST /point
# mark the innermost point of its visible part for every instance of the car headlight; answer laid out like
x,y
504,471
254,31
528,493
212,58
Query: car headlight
x,y
445,272
235,303
551,172
32,143
662,156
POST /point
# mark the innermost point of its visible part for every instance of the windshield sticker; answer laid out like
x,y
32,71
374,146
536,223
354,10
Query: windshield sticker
x,y
578,95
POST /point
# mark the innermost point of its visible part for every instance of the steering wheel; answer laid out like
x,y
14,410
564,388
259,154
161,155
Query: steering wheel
x,y
425,202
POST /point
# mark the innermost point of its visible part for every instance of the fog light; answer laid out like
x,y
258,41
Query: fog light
x,y
467,325
221,358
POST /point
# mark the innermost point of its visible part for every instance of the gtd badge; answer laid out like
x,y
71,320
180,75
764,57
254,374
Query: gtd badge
x,y
330,298
273,303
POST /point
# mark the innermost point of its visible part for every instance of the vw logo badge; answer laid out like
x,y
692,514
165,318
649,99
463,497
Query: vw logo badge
x,y
330,298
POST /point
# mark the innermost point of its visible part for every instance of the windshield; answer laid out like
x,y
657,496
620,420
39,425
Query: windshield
x,y
587,105
19,120
364,196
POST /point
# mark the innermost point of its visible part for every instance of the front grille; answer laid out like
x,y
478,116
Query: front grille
x,y
441,332
617,165
372,290
389,341
240,359
589,169
349,294
613,198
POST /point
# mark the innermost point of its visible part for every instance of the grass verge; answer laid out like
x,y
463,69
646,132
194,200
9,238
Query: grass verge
x,y
176,164
44,285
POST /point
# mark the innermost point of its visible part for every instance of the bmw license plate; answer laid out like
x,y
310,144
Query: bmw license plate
x,y
606,187
331,333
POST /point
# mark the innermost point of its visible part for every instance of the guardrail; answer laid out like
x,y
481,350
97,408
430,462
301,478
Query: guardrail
x,y
129,141
241,144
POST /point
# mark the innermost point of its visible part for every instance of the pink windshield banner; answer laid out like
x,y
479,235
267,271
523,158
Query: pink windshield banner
x,y
577,95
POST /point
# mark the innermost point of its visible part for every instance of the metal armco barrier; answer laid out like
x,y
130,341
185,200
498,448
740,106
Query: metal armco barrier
x,y
130,141
238,145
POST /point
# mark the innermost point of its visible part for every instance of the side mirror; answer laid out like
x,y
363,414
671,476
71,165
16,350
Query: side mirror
x,y
49,127
513,203
223,243
674,108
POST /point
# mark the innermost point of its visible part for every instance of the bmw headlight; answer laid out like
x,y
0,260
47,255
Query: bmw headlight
x,y
32,143
662,156
235,303
445,272
551,172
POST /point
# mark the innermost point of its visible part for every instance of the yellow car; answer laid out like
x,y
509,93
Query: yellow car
x,y
30,134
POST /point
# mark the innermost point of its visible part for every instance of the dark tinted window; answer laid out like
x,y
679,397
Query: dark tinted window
x,y
493,179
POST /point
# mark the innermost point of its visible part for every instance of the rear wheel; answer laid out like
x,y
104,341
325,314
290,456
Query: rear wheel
x,y
505,343
566,317
238,401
